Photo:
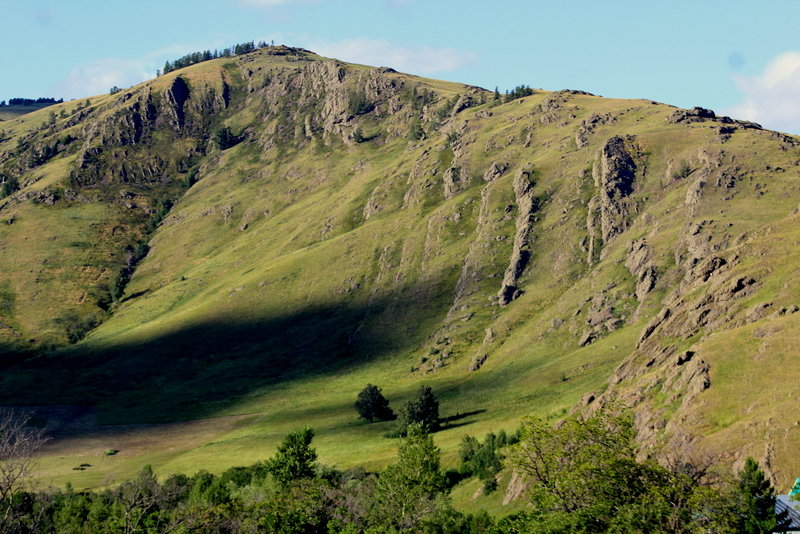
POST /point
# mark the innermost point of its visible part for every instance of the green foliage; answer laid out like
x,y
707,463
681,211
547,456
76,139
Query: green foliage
x,y
584,477
759,500
225,138
358,103
8,185
371,405
7,298
482,460
407,491
517,92
415,131
295,458
410,495
114,90
75,325
207,55
422,410
682,171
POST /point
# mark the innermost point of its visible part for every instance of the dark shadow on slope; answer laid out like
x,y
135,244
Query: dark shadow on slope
x,y
196,371
459,416
11,353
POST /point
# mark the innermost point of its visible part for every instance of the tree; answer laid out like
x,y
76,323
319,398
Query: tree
x,y
581,469
371,405
758,496
584,476
423,410
295,458
411,489
18,445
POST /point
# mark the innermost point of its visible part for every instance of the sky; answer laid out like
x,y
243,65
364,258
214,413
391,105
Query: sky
x,y
738,57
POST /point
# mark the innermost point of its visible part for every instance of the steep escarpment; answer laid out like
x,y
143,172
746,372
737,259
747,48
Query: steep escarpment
x,y
259,233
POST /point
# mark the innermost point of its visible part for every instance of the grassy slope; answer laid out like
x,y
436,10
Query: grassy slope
x,y
288,318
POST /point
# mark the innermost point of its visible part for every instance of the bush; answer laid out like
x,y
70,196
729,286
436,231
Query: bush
x,y
358,103
8,186
482,459
76,326
371,405
225,139
683,171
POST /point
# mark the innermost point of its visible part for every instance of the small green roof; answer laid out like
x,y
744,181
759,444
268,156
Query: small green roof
x,y
795,488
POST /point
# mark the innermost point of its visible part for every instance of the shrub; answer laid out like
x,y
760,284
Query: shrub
x,y
482,459
225,139
683,171
358,103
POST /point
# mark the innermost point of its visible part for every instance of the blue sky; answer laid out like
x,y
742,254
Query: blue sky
x,y
736,57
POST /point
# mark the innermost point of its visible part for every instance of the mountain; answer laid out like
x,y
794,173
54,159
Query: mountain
x,y
232,250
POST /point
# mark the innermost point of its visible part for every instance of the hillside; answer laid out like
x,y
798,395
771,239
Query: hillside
x,y
361,225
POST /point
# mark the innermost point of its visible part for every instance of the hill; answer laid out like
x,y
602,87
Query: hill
x,y
246,242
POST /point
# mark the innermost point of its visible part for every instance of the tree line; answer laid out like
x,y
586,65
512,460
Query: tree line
x,y
582,476
207,55
30,101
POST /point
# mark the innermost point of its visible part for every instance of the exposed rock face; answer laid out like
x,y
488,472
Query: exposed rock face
x,y
698,114
615,178
639,262
588,126
614,175
495,170
452,181
483,351
521,253
175,98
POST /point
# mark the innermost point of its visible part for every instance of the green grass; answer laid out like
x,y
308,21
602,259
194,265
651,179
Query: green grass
x,y
270,296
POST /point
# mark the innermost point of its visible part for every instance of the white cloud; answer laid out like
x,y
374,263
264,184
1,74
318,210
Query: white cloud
x,y
417,59
98,76
773,98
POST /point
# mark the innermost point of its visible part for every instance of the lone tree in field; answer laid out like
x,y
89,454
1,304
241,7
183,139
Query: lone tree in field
x,y
371,405
423,411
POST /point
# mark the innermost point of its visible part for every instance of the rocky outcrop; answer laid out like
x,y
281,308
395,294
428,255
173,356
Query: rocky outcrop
x,y
521,252
589,125
615,176
495,170
610,210
639,261
452,181
698,114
